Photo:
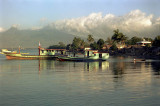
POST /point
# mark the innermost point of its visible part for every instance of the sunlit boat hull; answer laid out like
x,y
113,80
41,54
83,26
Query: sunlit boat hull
x,y
29,57
43,54
79,59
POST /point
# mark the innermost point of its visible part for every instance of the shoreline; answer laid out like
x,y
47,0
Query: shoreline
x,y
142,53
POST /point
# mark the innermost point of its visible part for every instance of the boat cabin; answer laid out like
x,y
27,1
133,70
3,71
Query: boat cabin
x,y
94,54
43,51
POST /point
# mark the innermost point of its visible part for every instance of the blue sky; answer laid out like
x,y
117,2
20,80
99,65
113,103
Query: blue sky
x,y
29,13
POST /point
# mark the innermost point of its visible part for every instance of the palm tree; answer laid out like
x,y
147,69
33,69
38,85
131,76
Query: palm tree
x,y
100,43
115,35
119,37
90,39
123,38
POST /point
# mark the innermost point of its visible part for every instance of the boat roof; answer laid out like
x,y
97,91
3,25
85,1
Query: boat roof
x,y
91,50
100,52
54,49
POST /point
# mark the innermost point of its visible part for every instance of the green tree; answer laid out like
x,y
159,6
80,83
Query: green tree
x,y
148,39
119,37
90,39
69,46
123,39
94,46
116,35
100,44
134,40
113,47
82,45
77,43
156,41
61,44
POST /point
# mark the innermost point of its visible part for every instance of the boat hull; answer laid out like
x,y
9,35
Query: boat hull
x,y
78,59
30,57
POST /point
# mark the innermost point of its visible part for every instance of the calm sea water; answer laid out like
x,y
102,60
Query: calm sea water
x,y
118,82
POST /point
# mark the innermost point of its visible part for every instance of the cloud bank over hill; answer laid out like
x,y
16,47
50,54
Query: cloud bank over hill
x,y
135,23
2,29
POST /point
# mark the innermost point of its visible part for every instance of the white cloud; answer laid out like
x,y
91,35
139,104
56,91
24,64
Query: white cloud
x,y
2,29
135,23
36,28
137,20
17,26
44,21
158,20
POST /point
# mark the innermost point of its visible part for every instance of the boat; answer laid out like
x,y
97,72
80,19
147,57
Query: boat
x,y
138,60
43,54
89,56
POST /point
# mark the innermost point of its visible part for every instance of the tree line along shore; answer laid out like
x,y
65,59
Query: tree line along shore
x,y
117,45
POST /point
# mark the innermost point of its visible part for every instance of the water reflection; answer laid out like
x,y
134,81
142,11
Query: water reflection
x,y
109,79
96,66
116,68
156,67
84,66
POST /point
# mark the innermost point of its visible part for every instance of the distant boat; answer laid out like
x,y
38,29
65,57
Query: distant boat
x,y
43,54
7,51
90,55
138,60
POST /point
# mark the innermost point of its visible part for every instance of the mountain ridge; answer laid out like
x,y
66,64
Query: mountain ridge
x,y
27,38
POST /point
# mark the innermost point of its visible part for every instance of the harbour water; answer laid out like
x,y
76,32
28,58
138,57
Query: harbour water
x,y
118,82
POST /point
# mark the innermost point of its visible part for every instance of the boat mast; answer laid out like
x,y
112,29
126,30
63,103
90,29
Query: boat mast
x,y
19,49
39,48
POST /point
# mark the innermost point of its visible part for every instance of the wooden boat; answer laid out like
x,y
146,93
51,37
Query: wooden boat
x,y
90,55
138,60
43,54
29,57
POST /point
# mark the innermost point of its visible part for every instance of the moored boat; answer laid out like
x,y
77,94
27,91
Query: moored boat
x,y
89,55
43,54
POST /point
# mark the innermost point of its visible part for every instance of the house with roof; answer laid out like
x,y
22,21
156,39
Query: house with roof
x,y
143,42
